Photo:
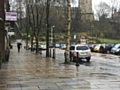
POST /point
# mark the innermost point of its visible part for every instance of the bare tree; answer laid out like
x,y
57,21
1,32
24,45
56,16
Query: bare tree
x,y
20,12
114,5
68,27
102,13
35,12
103,9
37,19
67,59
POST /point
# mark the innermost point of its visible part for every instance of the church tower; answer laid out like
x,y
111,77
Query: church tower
x,y
86,9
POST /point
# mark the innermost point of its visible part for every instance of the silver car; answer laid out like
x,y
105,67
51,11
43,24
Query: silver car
x,y
116,49
83,52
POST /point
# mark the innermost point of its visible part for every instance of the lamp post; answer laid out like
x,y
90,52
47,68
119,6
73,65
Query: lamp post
x,y
92,33
51,33
47,31
53,42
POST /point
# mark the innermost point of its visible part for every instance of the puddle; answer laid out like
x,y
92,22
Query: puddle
x,y
33,78
104,68
109,65
13,85
103,74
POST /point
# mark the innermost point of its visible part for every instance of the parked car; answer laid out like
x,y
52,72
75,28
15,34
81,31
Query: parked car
x,y
39,47
106,48
92,46
29,47
57,45
97,48
83,51
63,46
43,47
116,49
51,45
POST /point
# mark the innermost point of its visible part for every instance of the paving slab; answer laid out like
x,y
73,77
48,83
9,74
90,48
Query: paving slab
x,y
29,71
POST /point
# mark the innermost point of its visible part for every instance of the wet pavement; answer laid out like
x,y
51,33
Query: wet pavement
x,y
30,71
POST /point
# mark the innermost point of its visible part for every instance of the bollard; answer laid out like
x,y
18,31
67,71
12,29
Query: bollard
x,y
50,52
77,62
40,51
65,57
53,53
71,57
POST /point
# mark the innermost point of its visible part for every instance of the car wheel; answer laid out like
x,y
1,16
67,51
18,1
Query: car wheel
x,y
100,51
108,51
117,53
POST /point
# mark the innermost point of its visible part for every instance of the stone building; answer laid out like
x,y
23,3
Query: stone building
x,y
86,9
116,15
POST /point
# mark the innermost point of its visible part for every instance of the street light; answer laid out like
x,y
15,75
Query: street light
x,y
92,33
53,42
51,33
48,25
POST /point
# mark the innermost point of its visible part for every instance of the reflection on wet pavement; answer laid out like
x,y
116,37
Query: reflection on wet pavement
x,y
30,71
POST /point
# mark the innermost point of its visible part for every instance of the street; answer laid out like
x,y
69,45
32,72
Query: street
x,y
27,70
34,33
107,64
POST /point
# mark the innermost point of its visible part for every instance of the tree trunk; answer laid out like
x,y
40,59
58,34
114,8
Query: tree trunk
x,y
67,59
27,25
47,31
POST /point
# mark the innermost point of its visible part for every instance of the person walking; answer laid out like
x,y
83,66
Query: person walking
x,y
19,46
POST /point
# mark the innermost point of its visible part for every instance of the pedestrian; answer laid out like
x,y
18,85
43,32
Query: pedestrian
x,y
19,46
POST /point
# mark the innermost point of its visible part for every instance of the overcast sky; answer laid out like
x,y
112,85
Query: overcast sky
x,y
96,2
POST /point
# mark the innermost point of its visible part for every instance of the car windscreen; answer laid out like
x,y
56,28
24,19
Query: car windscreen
x,y
117,45
82,48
